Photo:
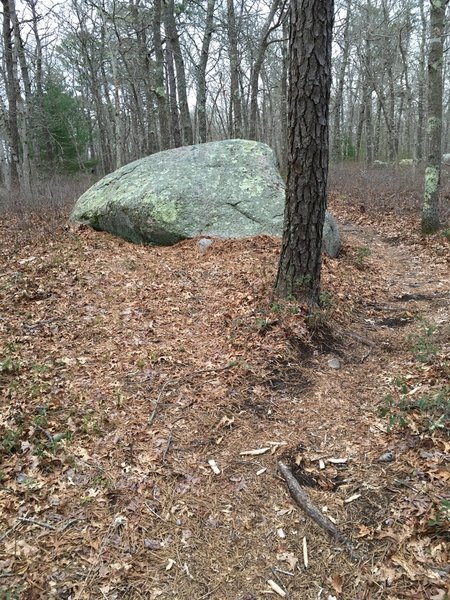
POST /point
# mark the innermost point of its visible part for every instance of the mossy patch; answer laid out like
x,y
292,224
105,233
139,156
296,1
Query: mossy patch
x,y
228,189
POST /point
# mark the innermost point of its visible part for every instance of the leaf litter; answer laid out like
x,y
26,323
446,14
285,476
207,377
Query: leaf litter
x,y
142,391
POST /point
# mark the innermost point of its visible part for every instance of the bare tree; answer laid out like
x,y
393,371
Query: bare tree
x,y
258,62
235,117
201,72
12,90
430,209
173,48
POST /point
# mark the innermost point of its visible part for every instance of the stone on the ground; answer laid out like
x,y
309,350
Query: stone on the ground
x,y
331,243
204,243
446,159
227,189
406,162
334,363
387,457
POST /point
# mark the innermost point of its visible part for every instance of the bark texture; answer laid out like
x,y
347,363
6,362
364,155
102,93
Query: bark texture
x,y
160,87
12,92
235,117
306,194
430,209
201,73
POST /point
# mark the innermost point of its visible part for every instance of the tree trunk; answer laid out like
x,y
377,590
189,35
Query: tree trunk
x,y
421,87
430,208
172,37
256,68
235,103
23,105
173,104
359,130
337,109
306,193
12,93
284,100
404,48
159,85
201,73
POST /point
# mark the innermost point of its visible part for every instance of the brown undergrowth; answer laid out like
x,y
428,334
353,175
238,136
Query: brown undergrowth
x,y
129,374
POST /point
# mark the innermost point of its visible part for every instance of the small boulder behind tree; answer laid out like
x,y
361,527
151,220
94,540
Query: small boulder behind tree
x,y
227,189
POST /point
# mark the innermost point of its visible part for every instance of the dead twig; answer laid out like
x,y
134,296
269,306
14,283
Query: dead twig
x,y
155,408
47,434
153,511
8,531
302,499
359,338
40,323
366,355
166,450
38,523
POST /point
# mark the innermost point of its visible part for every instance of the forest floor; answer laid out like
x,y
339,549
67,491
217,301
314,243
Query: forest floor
x,y
125,370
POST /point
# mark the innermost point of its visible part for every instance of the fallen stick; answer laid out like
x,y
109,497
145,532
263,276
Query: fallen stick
x,y
302,499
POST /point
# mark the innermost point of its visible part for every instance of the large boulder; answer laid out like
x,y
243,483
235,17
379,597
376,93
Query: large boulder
x,y
229,189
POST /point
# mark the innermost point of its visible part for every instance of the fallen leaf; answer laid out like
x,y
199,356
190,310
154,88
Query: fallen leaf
x,y
337,582
170,564
363,531
290,558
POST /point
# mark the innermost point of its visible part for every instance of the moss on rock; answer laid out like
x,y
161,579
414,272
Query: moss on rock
x,y
227,189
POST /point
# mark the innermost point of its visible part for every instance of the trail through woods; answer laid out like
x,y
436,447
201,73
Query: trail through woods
x,y
148,393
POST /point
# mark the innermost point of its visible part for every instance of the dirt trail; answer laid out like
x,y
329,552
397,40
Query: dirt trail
x,y
412,297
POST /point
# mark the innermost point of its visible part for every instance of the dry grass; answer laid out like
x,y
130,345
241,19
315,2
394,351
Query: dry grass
x,y
46,211
399,190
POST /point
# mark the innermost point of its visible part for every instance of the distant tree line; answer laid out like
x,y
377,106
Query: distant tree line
x,y
94,84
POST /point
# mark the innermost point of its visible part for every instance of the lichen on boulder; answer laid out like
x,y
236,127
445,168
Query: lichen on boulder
x,y
228,189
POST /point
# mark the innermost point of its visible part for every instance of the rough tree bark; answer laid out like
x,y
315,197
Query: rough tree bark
x,y
23,105
306,193
430,208
235,102
173,104
12,92
337,128
159,84
201,72
174,40
284,99
421,87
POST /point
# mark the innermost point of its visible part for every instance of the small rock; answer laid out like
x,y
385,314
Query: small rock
x,y
334,363
204,244
152,544
387,457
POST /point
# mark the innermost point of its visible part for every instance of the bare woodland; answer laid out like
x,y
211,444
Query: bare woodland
x,y
90,84
172,425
